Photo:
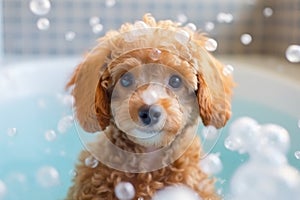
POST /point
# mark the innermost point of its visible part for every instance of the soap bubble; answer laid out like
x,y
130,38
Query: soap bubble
x,y
98,28
227,70
66,99
182,37
211,45
47,176
40,7
191,26
73,173
209,26
177,192
12,132
211,164
182,18
140,25
91,162
140,28
297,155
275,136
3,189
266,182
50,135
70,35
246,39
210,132
155,54
232,144
43,24
268,12
269,155
267,172
124,191
223,17
243,135
292,53
94,21
65,123
220,193
110,3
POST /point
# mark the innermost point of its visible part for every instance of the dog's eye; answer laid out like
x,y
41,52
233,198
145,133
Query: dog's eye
x,y
175,81
127,80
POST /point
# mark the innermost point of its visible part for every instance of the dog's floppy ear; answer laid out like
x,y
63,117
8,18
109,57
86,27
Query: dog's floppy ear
x,y
90,82
214,92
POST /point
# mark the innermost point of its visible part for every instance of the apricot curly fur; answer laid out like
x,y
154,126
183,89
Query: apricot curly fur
x,y
99,182
93,81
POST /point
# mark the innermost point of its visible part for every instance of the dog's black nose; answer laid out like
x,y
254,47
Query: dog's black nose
x,y
150,114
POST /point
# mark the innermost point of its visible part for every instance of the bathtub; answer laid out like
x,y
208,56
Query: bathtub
x,y
37,157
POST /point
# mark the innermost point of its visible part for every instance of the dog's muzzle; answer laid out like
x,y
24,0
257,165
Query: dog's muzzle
x,y
150,115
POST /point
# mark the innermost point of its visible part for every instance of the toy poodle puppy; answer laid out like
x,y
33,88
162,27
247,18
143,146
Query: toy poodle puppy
x,y
143,91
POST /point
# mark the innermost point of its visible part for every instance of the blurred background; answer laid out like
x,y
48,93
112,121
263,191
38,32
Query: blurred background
x,y
72,26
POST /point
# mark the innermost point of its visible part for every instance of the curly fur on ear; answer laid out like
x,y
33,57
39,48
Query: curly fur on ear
x,y
102,101
90,84
214,94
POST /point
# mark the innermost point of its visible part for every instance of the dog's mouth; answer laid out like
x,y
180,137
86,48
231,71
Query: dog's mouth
x,y
142,133
148,139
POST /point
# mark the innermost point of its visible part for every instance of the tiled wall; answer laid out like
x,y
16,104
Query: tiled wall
x,y
283,28
21,35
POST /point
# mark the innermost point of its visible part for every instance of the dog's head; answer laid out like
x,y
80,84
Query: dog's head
x,y
151,80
